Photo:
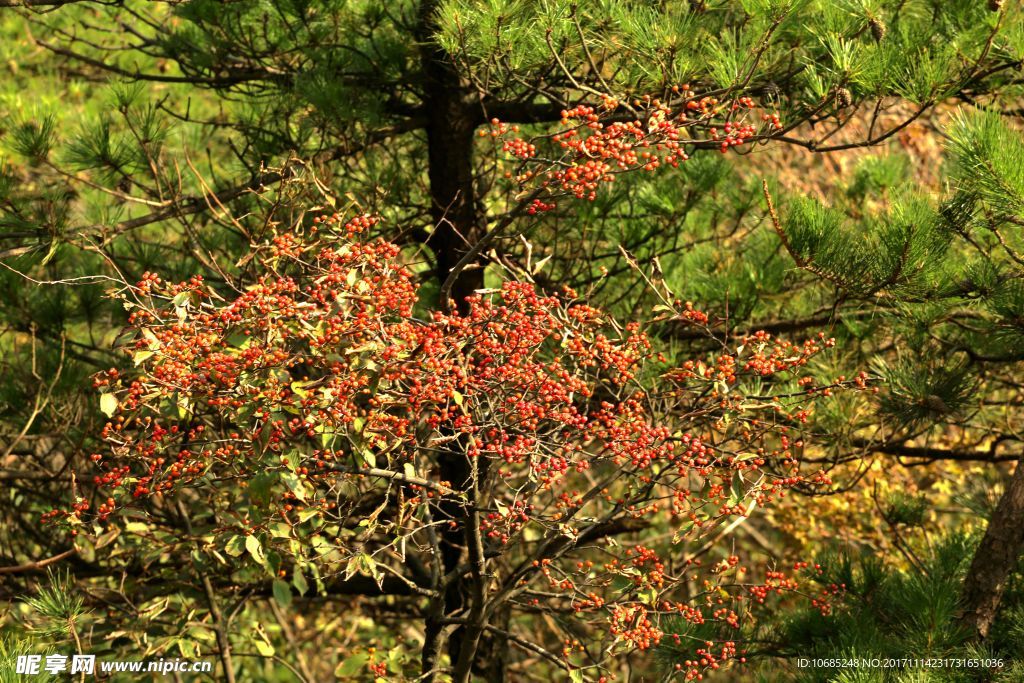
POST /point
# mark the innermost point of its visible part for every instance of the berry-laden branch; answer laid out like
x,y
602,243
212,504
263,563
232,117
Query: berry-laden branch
x,y
594,144
591,146
310,411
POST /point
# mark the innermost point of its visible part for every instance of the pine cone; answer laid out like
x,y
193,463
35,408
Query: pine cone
x,y
878,29
843,98
995,5
935,404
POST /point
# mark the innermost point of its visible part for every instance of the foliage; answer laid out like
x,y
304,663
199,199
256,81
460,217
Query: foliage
x,y
184,137
944,276
317,388
901,615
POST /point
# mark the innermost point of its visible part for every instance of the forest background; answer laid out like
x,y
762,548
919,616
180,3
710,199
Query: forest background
x,y
693,172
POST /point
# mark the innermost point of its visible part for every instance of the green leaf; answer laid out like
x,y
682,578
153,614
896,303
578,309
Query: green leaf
x,y
294,484
308,513
140,357
736,492
154,341
351,666
369,565
280,530
108,404
255,548
299,581
235,546
299,389
352,567
187,648
282,593
684,529
263,646
184,406
396,657
259,487
326,437
368,458
321,546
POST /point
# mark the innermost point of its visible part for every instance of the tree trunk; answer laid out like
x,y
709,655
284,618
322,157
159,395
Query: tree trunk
x,y
458,222
454,116
494,650
995,559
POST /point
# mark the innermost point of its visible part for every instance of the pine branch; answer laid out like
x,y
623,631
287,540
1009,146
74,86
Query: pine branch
x,y
801,262
930,454
38,564
813,145
215,81
186,206
54,3
827,321
522,112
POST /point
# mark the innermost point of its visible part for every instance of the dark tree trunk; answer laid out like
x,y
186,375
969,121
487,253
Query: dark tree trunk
x,y
494,650
453,118
995,559
453,202
458,222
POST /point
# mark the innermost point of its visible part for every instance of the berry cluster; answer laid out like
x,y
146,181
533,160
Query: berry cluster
x,y
594,144
321,392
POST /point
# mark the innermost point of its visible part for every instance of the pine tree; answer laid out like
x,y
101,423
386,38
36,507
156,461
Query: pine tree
x,y
944,278
905,617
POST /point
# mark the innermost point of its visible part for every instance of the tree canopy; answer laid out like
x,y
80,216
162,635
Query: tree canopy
x,y
450,340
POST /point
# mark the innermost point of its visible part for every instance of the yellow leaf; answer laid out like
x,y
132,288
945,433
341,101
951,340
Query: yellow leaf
x,y
108,404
